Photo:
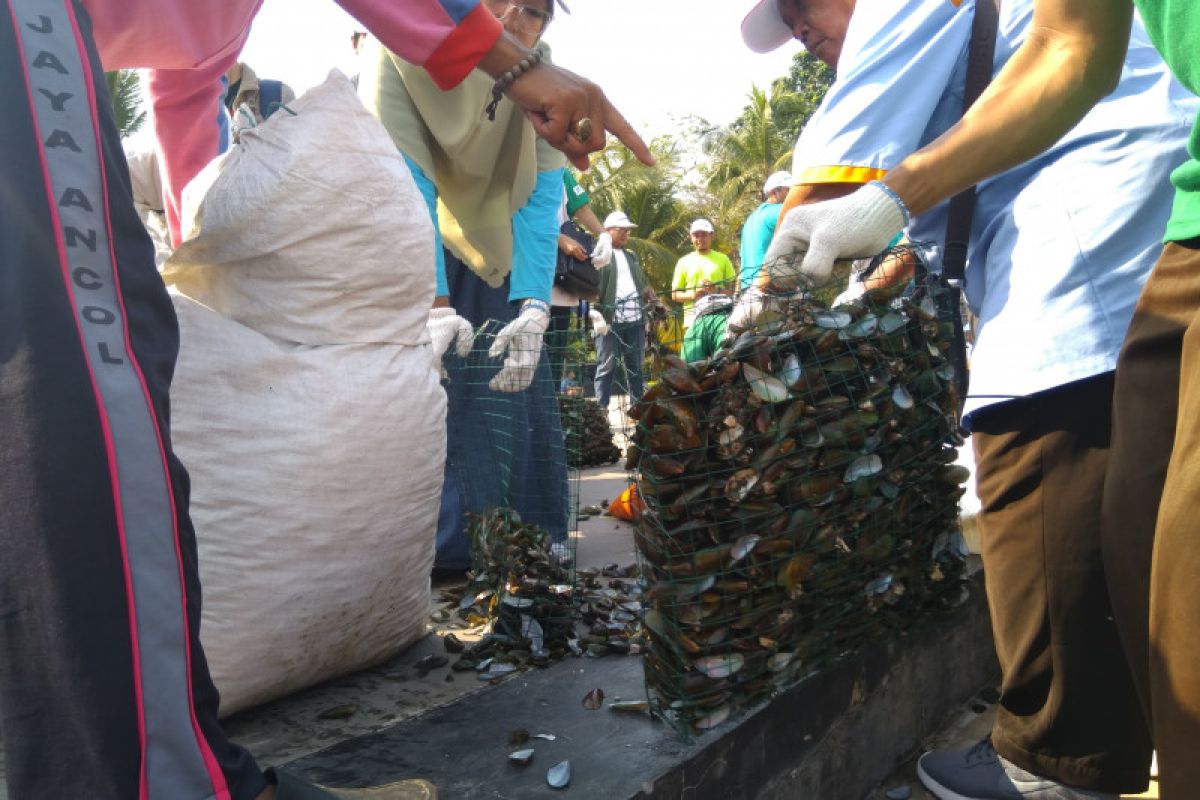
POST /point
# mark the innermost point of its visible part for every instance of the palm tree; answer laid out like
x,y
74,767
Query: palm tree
x,y
618,181
810,79
745,153
124,90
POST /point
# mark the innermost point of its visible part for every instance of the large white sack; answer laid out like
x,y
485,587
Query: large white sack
x,y
316,478
305,404
318,216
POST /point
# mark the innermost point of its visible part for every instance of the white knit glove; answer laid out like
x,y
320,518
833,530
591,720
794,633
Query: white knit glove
x,y
446,326
859,225
522,340
855,290
602,252
747,308
598,324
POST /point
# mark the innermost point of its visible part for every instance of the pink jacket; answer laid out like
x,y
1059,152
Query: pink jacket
x,y
189,45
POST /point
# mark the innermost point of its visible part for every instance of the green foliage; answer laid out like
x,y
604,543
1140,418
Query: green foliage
x,y
619,182
725,187
125,92
745,153
808,79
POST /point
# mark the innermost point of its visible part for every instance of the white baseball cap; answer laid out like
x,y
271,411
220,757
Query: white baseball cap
x,y
763,29
617,219
778,180
701,225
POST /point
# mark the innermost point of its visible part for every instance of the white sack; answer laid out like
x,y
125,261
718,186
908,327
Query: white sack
x,y
304,403
318,216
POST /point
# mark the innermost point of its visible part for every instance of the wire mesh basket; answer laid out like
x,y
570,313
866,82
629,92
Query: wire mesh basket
x,y
801,496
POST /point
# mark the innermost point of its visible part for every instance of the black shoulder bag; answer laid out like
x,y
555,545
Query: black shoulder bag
x,y
573,276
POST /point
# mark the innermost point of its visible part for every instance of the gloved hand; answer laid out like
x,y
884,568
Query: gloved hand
x,y
522,340
748,307
446,326
602,252
855,290
856,226
598,324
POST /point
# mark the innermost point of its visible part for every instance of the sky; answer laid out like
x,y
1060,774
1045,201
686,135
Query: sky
x,y
659,61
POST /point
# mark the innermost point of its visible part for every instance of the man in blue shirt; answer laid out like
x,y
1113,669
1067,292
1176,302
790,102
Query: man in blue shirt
x,y
760,226
1059,249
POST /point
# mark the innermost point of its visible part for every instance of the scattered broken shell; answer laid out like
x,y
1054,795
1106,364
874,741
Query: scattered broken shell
x,y
549,737
630,706
521,757
594,699
559,775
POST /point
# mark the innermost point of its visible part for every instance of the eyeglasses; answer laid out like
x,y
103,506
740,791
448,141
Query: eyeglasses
x,y
529,19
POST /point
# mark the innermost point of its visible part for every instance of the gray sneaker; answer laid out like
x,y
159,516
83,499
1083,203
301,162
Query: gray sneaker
x,y
978,773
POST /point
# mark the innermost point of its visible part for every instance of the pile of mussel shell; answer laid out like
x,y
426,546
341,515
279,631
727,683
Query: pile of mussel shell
x,y
518,593
802,499
610,610
588,437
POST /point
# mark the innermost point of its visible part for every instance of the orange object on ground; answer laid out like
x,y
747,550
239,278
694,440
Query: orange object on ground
x,y
628,505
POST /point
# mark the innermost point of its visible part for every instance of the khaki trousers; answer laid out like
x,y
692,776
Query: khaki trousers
x,y
1068,708
1153,577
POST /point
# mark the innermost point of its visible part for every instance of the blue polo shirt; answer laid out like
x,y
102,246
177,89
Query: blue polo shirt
x,y
756,238
1061,246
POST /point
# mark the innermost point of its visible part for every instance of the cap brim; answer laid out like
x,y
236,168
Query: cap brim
x,y
763,30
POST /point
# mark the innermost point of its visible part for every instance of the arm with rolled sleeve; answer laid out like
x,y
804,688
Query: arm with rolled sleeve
x,y
535,239
448,38
894,87
429,192
895,68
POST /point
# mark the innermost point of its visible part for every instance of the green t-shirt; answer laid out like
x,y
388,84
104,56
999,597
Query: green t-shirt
x,y
1174,27
695,269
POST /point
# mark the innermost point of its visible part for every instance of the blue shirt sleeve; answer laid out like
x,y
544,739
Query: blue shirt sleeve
x,y
899,60
429,192
535,239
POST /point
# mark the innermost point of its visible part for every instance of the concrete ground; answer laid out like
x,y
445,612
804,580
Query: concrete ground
x,y
381,697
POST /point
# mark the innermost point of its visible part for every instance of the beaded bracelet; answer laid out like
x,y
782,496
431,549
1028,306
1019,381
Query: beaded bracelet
x,y
505,81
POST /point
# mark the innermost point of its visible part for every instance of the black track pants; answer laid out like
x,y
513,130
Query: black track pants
x,y
104,690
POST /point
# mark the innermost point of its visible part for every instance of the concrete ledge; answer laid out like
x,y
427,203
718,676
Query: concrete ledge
x,y
836,735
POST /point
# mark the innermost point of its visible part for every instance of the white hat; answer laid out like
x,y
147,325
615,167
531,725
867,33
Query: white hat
x,y
763,29
778,180
701,225
617,219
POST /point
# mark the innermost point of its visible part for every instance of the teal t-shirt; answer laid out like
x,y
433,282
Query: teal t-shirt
x,y
1174,27
756,238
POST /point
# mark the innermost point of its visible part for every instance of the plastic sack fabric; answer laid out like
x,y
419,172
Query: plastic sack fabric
x,y
304,403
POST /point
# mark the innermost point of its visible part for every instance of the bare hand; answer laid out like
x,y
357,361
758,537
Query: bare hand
x,y
555,99
572,248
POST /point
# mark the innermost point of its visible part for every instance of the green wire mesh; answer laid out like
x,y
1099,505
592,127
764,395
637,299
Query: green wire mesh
x,y
507,450
801,498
